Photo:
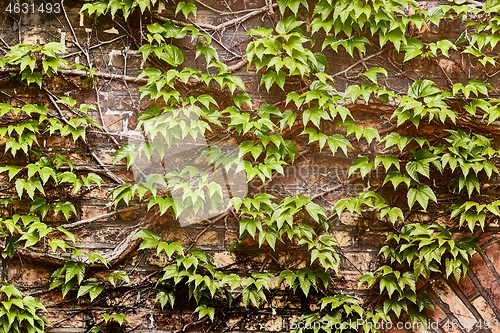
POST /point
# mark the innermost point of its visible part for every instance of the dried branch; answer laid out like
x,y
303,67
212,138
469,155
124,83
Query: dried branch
x,y
359,62
337,187
223,25
108,173
238,65
102,216
75,37
185,327
475,3
94,46
103,123
104,75
119,253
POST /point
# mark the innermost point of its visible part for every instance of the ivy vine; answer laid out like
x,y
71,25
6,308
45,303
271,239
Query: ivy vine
x,y
436,156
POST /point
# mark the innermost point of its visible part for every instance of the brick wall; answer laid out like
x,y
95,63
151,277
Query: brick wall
x,y
475,300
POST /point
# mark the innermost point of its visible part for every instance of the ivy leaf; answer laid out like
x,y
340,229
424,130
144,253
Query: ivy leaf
x,y
306,280
417,167
203,311
395,306
13,170
470,182
118,317
395,36
40,205
129,152
116,276
251,295
93,257
423,88
422,194
124,193
387,162
368,277
389,284
315,211
68,234
92,178
287,276
250,226
57,243
394,213
35,77
287,24
171,54
269,236
338,141
417,316
165,297
170,249
412,49
424,301
395,138
186,8
66,287
73,269
260,32
163,203
66,208
363,165
92,287
29,186
149,239
271,77
292,4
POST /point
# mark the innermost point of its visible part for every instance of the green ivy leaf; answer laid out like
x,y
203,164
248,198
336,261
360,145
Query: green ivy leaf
x,y
40,205
66,208
116,276
92,287
72,270
186,8
149,239
165,297
363,165
204,310
271,77
118,317
422,194
288,24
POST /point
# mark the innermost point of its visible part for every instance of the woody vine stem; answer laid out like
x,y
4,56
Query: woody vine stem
x,y
422,174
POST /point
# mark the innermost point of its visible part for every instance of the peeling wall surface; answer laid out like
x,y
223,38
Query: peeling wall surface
x,y
111,47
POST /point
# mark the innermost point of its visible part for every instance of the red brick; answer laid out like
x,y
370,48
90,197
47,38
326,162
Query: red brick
x,y
486,313
114,123
449,297
467,287
55,141
437,315
92,211
493,253
394,329
485,237
486,278
109,235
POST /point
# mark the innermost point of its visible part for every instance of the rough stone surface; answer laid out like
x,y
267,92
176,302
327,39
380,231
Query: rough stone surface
x,y
475,301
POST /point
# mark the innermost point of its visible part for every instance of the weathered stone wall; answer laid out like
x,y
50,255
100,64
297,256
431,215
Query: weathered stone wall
x,y
112,46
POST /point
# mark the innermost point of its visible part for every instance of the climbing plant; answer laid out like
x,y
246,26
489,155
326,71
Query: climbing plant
x,y
424,172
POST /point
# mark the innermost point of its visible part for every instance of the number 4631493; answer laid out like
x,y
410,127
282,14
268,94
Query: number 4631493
x,y
31,8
